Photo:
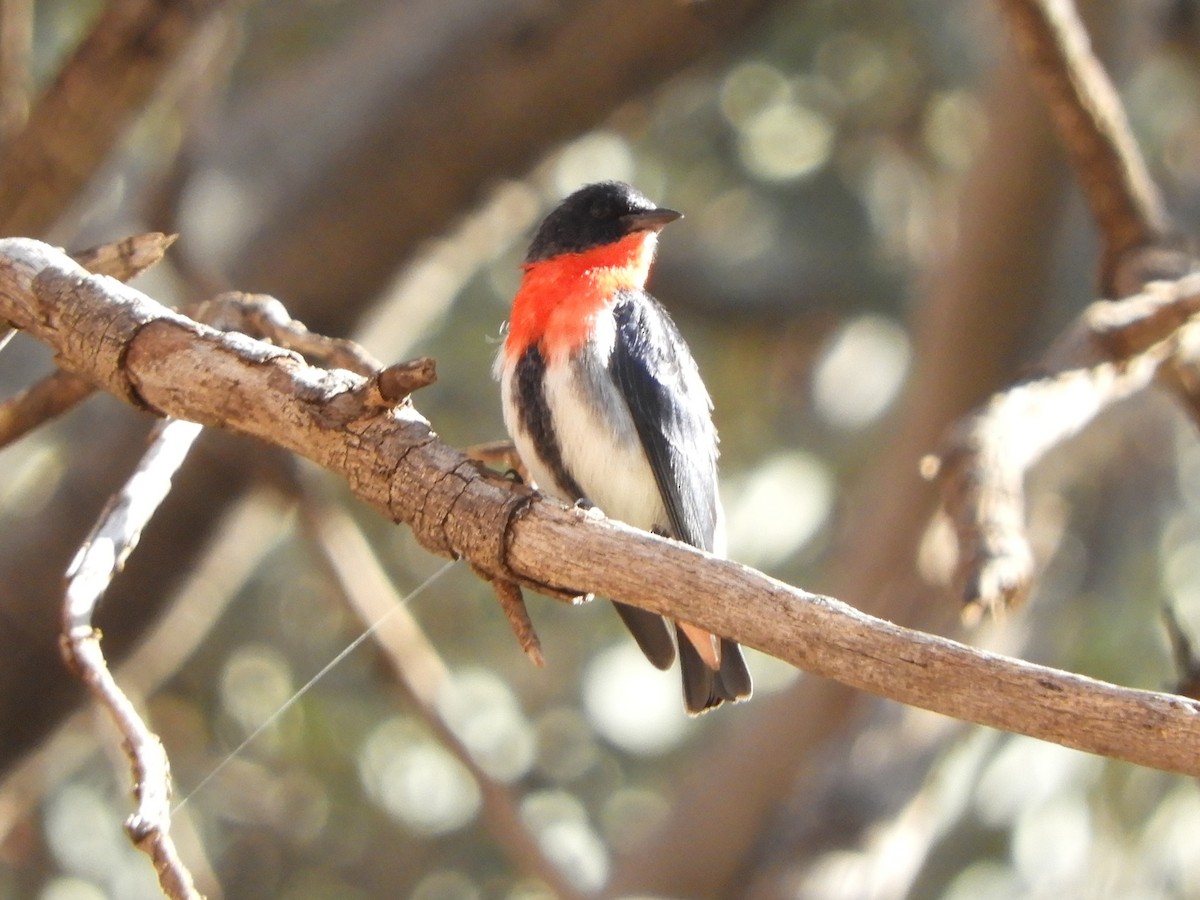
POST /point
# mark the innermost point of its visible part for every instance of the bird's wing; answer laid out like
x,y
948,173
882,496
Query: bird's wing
x,y
671,410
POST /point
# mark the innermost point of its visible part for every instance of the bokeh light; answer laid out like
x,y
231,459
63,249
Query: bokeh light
x,y
860,371
738,226
482,711
632,704
255,684
775,510
750,88
446,884
597,156
561,825
416,780
567,747
787,140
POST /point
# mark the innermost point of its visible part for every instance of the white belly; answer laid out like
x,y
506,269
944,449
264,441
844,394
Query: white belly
x,y
600,450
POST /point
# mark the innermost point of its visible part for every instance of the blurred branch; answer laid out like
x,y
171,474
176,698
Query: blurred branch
x,y
100,559
1094,130
40,403
392,460
16,51
115,69
1114,350
1184,651
422,674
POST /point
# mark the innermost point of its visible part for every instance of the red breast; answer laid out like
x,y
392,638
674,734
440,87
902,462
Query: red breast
x,y
560,297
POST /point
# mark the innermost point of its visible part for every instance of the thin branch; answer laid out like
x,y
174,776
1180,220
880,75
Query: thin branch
x,y
1094,129
128,258
99,560
252,528
40,403
148,827
392,460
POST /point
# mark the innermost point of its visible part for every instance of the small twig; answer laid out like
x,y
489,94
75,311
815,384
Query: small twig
x,y
38,404
101,557
389,388
264,317
512,601
397,381
125,259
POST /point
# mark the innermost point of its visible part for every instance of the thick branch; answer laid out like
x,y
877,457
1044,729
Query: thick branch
x,y
61,391
393,461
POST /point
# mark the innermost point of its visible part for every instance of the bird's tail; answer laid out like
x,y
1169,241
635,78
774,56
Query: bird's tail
x,y
705,688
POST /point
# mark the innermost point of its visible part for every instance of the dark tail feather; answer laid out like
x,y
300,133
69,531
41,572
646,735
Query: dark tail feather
x,y
651,633
704,689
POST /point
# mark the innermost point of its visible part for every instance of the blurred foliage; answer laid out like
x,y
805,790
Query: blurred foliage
x,y
811,163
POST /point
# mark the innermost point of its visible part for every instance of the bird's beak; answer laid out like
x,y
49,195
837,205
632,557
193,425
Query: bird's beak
x,y
651,219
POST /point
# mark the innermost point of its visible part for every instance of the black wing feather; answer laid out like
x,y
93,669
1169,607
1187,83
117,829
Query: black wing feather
x,y
671,410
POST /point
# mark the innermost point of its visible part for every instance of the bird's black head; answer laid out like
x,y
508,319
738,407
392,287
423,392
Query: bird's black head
x,y
596,215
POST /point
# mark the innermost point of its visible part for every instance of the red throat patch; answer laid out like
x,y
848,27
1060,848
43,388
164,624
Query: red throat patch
x,y
559,297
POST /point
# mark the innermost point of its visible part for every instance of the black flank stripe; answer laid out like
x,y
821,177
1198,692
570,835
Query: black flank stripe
x,y
535,418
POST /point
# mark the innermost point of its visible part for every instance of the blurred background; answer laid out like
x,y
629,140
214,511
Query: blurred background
x,y
879,232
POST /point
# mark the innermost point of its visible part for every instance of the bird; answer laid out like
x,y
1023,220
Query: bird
x,y
606,408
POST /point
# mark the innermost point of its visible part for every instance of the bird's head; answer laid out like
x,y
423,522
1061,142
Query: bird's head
x,y
596,216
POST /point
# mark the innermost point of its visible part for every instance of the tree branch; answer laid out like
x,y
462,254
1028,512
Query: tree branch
x,y
1094,131
100,558
1114,350
159,360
